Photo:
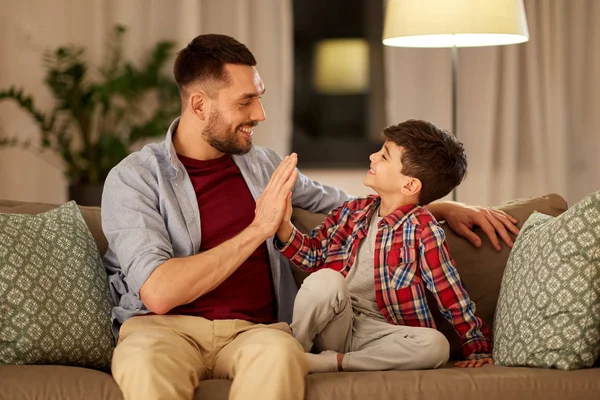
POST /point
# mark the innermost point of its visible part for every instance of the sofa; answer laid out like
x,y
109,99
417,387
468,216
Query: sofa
x,y
481,270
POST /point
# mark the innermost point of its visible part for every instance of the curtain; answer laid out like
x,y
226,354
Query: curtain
x,y
528,114
29,28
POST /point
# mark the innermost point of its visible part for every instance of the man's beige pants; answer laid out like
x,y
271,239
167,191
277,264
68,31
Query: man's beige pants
x,y
166,356
323,317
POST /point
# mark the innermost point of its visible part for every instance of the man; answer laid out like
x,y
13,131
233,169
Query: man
x,y
199,289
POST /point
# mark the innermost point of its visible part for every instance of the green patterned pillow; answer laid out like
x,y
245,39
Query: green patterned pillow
x,y
548,312
54,299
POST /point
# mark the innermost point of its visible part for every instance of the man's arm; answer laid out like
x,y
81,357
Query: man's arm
x,y
462,218
165,282
180,281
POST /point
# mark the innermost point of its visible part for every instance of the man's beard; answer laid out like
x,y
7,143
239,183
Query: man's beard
x,y
220,139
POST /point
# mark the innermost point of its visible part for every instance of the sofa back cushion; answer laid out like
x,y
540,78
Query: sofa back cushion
x,y
480,269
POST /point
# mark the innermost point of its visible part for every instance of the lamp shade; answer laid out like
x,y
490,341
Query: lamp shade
x,y
341,66
460,23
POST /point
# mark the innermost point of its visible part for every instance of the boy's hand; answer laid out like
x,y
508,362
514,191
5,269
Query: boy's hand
x,y
474,363
285,228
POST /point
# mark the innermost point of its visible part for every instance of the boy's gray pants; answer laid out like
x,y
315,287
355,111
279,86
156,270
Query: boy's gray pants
x,y
323,317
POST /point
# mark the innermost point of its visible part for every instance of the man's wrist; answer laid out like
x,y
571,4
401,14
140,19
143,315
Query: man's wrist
x,y
258,231
436,209
439,209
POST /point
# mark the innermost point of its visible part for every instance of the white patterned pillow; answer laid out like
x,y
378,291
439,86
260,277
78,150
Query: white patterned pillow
x,y
548,312
54,299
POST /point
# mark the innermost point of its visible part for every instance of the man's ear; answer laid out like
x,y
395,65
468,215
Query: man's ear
x,y
198,104
412,186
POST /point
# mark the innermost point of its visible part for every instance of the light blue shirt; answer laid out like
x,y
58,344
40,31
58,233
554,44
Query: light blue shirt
x,y
150,215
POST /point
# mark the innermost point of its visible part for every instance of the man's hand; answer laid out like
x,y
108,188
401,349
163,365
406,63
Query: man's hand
x,y
272,204
474,363
462,218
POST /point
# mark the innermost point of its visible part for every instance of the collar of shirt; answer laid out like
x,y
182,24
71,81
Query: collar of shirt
x,y
393,219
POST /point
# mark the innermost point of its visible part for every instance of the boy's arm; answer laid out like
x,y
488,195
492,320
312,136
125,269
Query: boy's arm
x,y
308,252
442,279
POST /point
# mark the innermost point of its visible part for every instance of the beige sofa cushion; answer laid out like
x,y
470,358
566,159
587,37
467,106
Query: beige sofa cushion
x,y
33,382
449,383
481,269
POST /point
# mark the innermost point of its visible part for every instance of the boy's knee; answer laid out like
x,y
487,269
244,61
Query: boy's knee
x,y
323,285
437,351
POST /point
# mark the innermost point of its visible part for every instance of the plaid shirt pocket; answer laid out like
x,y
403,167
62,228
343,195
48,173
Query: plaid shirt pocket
x,y
402,267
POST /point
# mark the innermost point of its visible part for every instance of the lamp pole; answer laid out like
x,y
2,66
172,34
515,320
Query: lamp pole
x,y
454,98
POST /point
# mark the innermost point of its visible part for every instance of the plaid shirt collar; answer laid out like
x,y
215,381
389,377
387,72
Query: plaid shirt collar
x,y
394,219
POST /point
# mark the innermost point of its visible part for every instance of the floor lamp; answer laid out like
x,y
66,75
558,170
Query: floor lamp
x,y
454,24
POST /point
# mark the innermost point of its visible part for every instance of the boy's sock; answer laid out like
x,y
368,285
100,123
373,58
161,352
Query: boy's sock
x,y
325,361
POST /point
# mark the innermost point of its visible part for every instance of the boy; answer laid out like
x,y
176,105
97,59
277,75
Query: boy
x,y
388,247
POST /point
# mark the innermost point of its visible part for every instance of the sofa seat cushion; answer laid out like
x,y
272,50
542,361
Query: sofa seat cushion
x,y
549,305
29,382
490,382
449,383
33,382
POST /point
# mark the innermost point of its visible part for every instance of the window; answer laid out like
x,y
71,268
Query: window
x,y
339,108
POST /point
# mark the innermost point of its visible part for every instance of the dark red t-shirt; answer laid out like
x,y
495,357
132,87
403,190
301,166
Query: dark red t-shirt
x,y
226,208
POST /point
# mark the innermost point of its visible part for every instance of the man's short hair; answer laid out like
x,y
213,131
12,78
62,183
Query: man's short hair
x,y
203,60
430,154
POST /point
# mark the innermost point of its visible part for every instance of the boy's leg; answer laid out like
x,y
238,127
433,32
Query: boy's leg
x,y
323,312
265,362
380,346
155,359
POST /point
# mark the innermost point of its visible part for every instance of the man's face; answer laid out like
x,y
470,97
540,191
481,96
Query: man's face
x,y
385,173
236,111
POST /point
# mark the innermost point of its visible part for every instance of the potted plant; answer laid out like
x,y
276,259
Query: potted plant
x,y
95,123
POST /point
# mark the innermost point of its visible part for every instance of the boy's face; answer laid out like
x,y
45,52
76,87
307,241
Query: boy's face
x,y
385,176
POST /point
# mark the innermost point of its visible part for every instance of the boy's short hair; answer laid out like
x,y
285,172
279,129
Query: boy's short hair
x,y
430,154
204,58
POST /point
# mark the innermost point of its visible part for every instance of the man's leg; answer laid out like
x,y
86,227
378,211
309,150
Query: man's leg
x,y
323,312
265,362
380,346
155,359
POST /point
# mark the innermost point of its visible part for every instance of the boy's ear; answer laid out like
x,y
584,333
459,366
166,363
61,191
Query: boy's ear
x,y
412,187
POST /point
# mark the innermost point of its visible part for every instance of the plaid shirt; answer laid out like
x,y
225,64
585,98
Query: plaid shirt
x,y
410,253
